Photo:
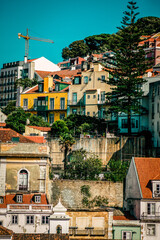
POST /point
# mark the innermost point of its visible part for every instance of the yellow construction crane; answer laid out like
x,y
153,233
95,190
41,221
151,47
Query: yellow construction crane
x,y
27,38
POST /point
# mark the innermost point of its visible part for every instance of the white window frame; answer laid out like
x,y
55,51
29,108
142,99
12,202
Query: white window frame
x,y
44,220
154,232
30,219
14,219
152,209
125,232
37,198
18,174
19,198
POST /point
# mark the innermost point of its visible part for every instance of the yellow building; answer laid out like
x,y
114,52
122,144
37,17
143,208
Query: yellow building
x,y
87,92
47,99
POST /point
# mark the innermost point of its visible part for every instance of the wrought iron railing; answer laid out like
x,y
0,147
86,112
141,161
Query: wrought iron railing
x,y
151,216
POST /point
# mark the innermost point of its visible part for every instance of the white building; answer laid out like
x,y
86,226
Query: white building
x,y
21,69
31,213
142,195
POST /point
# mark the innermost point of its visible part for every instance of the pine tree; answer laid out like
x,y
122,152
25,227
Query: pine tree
x,y
126,78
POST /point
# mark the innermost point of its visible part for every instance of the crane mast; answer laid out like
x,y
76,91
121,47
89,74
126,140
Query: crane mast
x,y
27,38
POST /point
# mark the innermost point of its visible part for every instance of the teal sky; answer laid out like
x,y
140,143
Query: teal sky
x,y
61,21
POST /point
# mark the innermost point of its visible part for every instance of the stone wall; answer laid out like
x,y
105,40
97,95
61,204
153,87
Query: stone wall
x,y
70,192
106,148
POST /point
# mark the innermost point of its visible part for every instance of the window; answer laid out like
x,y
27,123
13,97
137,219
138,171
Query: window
x,y
51,118
94,96
35,103
88,113
19,198
102,96
85,79
44,219
62,116
1,200
151,229
157,107
40,87
103,78
74,111
74,97
151,208
88,96
77,80
57,87
23,180
94,114
59,229
158,188
30,219
37,199
14,219
124,123
1,223
126,235
51,103
25,103
62,103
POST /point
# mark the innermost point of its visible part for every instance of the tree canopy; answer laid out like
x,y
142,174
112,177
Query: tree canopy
x,y
18,118
76,48
130,62
103,42
26,82
11,106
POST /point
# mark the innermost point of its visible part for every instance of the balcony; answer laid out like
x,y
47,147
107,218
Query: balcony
x,y
150,217
76,103
29,207
88,231
23,187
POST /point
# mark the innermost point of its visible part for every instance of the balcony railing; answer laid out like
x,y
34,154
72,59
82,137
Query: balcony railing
x,y
29,207
23,187
153,216
88,231
76,103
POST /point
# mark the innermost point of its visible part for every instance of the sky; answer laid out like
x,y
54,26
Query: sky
x,y
61,21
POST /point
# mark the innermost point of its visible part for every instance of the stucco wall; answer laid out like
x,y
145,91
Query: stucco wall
x,y
106,148
70,192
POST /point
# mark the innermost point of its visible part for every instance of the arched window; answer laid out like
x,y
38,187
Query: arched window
x,y
59,229
23,180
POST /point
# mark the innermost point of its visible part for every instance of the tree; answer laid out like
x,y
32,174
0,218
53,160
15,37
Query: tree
x,y
66,141
117,170
76,48
37,121
84,166
26,82
126,80
11,106
18,118
98,43
58,128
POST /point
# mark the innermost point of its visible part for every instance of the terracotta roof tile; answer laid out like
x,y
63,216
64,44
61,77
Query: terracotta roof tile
x,y
147,169
31,60
5,232
43,74
37,139
2,124
32,90
27,199
119,215
43,129
65,73
6,135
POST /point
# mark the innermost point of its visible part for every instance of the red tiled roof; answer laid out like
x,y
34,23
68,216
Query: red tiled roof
x,y
123,216
65,73
5,231
2,124
43,129
147,169
97,55
6,135
31,60
27,199
43,74
37,139
32,90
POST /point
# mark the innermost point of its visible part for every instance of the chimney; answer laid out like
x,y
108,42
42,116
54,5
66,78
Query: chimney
x,y
25,59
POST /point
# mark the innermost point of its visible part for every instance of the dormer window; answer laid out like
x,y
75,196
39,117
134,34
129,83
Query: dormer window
x,y
158,188
1,200
37,198
19,198
56,87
